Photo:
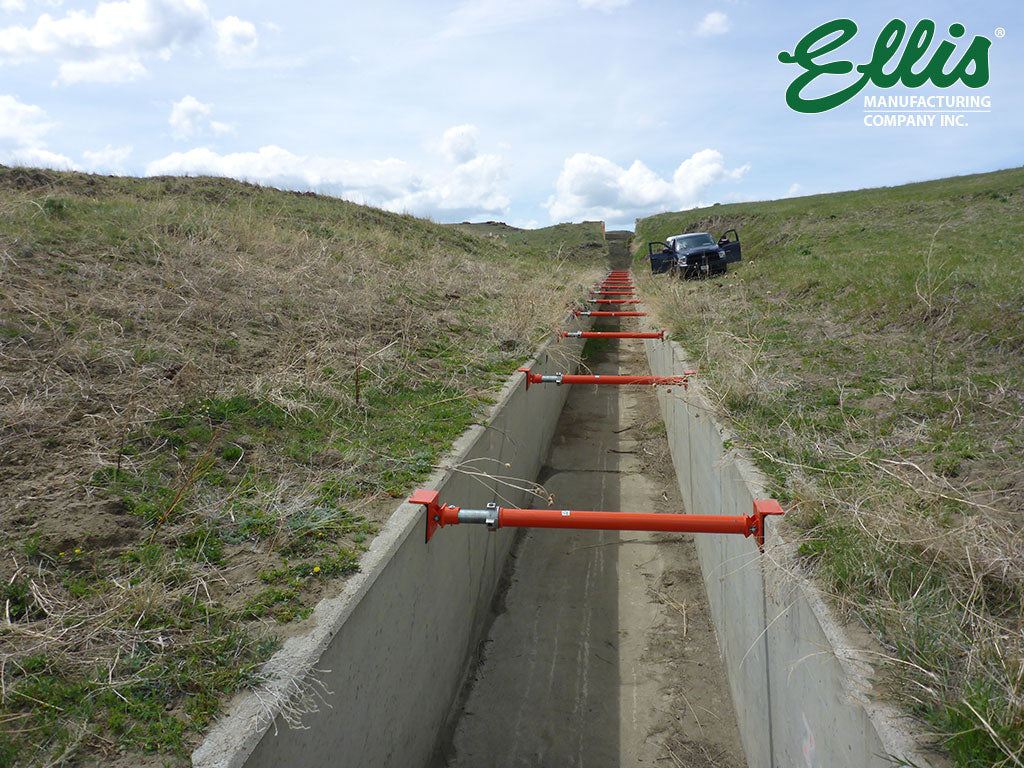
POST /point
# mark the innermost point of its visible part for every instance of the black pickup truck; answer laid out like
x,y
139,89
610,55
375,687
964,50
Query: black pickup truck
x,y
695,254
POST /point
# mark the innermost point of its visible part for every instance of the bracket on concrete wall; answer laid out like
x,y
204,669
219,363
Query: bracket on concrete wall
x,y
574,378
494,517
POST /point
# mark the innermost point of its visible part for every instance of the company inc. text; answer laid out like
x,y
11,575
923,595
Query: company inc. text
x,y
923,111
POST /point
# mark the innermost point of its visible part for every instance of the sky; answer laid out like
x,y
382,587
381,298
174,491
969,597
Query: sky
x,y
531,112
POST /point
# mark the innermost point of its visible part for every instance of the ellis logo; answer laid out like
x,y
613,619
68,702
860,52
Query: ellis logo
x,y
971,69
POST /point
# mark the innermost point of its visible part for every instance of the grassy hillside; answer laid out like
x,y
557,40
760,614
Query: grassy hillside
x,y
568,240
869,351
211,394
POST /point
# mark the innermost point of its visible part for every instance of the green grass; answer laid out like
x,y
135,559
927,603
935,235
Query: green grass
x,y
586,238
217,393
192,652
869,354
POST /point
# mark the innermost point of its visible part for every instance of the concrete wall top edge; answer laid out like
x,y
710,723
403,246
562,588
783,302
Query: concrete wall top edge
x,y
786,583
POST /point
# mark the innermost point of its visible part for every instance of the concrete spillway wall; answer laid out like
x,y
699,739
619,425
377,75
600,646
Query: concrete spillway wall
x,y
801,690
375,682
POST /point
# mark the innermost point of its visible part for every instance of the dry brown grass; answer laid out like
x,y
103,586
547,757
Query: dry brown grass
x,y
930,563
131,308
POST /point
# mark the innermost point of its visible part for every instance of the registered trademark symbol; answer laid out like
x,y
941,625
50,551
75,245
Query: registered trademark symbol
x,y
1000,32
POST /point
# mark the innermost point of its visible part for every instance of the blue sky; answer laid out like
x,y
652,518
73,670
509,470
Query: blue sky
x,y
526,111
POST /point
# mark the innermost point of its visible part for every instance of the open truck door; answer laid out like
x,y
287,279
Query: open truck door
x,y
730,243
662,259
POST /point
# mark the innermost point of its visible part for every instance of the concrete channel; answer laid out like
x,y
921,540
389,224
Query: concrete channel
x,y
573,648
603,652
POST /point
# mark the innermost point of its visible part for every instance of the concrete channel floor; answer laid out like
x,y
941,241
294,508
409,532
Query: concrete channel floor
x,y
603,653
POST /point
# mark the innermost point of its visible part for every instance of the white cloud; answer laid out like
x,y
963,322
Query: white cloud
x,y
190,117
109,158
22,125
471,187
105,69
715,23
793,190
236,39
12,5
604,5
593,187
458,143
460,190
22,128
37,157
112,43
524,223
187,117
278,167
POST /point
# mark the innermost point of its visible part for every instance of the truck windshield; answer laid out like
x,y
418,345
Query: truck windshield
x,y
693,241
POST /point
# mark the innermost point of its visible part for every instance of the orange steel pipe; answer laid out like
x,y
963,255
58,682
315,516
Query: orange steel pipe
x,y
613,293
612,335
610,380
622,521
614,301
494,517
606,313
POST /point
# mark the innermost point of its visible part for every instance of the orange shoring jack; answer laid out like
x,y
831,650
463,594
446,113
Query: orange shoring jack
x,y
606,313
610,380
612,335
495,517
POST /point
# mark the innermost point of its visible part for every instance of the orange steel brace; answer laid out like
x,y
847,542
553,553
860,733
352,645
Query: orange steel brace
x,y
613,293
606,313
495,517
613,301
574,378
612,335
